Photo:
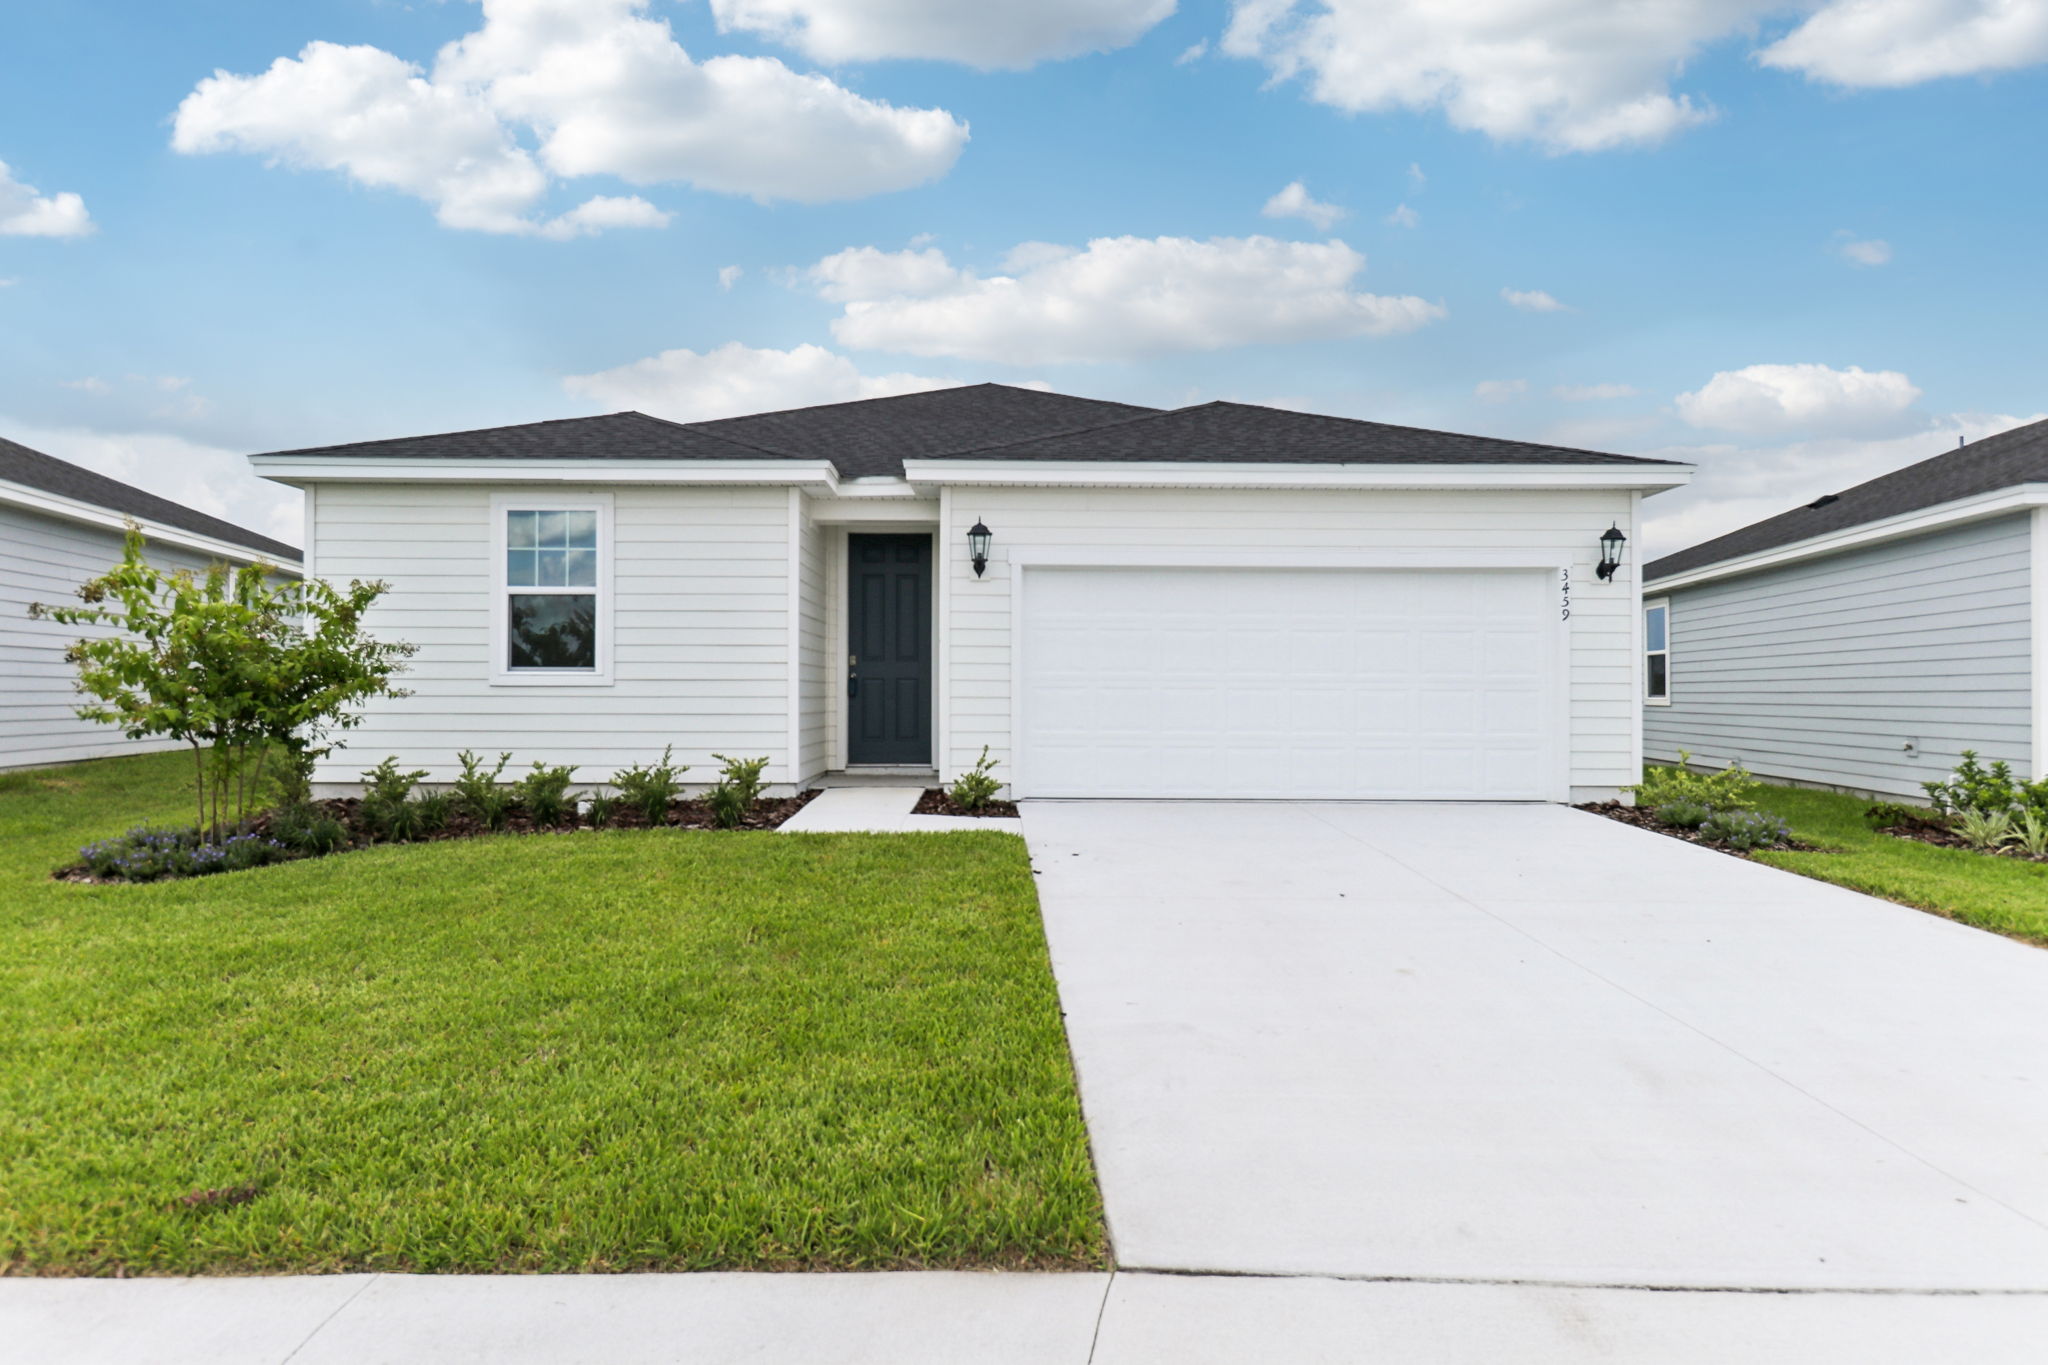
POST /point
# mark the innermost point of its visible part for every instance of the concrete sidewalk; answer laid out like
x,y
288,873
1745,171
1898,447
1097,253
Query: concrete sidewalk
x,y
928,1318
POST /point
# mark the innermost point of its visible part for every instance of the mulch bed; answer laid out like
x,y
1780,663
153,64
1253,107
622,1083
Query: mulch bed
x,y
938,801
1642,818
691,814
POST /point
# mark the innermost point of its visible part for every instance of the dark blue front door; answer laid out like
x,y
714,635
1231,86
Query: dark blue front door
x,y
889,649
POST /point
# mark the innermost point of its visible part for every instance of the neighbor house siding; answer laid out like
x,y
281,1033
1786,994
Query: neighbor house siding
x,y
1825,671
1602,754
44,559
701,633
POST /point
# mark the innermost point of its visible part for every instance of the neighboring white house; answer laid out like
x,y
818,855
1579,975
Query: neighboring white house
x,y
1865,640
59,526
1217,601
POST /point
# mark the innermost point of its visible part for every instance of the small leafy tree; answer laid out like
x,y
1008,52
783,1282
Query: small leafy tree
x,y
236,663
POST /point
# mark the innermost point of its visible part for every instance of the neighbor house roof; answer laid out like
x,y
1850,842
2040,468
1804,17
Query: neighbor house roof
x,y
1221,432
47,474
2013,457
873,436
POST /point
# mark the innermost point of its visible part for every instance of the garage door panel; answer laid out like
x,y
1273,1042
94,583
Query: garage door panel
x,y
1276,683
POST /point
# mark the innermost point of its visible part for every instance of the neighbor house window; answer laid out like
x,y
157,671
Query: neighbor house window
x,y
553,579
1657,652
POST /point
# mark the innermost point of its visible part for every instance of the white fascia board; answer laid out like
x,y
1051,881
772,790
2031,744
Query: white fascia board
x,y
92,514
299,471
1171,474
1979,507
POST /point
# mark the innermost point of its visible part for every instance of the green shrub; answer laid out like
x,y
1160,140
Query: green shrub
x,y
976,787
1731,789
601,810
1972,786
1984,830
1683,814
1896,815
651,788
479,794
737,788
1744,830
431,812
384,808
544,793
308,830
2030,833
146,855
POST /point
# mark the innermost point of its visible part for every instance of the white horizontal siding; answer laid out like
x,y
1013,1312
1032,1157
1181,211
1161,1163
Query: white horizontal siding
x,y
1825,671
700,634
44,559
977,663
814,651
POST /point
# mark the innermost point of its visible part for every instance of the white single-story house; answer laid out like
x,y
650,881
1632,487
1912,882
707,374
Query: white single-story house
x,y
1865,640
1213,601
59,526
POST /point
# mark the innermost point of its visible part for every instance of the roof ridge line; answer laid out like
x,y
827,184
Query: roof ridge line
x,y
1072,431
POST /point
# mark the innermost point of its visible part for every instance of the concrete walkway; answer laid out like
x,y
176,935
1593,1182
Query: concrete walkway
x,y
1525,1044
879,810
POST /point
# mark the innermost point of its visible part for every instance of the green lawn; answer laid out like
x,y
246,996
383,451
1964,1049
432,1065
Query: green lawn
x,y
605,1051
2005,895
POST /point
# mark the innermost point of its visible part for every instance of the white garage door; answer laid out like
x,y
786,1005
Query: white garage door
x,y
1334,683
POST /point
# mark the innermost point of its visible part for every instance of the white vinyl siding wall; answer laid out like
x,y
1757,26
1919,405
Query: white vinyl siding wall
x,y
1602,683
44,559
1824,671
701,636
814,650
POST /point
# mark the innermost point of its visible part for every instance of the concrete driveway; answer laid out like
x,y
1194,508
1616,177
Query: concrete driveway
x,y
1525,1044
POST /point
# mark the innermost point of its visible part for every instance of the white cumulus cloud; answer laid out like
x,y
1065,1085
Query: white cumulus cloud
x,y
976,32
1586,75
1905,42
866,272
1404,217
1294,201
1818,400
693,386
1532,301
1867,252
598,88
1119,298
26,212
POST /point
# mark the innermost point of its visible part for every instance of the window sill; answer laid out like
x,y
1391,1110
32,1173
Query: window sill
x,y
1656,701
543,679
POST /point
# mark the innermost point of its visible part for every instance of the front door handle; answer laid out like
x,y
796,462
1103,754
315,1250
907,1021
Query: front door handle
x,y
852,675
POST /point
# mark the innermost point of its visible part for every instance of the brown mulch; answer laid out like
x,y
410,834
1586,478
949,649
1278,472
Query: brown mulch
x,y
692,814
1642,818
938,801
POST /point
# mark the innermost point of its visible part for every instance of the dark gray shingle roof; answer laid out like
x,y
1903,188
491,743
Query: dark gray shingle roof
x,y
2012,457
614,436
873,436
48,474
1221,433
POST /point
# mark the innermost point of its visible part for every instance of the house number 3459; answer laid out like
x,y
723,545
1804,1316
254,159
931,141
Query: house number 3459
x,y
1565,593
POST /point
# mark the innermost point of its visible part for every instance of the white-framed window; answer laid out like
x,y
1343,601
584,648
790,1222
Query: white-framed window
x,y
1657,652
551,617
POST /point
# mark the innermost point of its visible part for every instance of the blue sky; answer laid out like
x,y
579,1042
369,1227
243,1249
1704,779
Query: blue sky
x,y
1799,243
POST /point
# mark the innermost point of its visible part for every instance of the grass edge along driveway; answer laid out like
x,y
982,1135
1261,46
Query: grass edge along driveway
x,y
2004,895
645,1050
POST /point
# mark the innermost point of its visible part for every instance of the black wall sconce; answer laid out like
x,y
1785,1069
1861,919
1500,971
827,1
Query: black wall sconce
x,y
978,538
1612,542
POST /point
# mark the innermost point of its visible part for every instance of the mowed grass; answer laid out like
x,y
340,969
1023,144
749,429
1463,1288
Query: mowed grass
x,y
613,1051
2005,895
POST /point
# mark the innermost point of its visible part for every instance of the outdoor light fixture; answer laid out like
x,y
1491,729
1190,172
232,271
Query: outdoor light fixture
x,y
978,537
1611,543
